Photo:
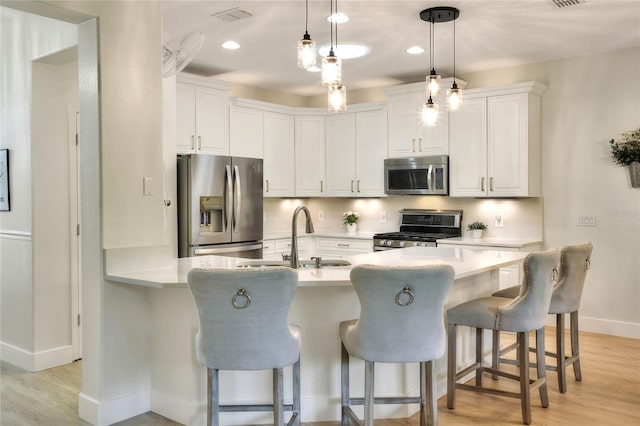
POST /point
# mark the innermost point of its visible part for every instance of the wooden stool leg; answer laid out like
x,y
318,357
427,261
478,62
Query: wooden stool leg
x,y
296,393
495,353
575,346
541,367
479,345
451,365
560,359
344,383
428,395
525,388
213,403
278,403
368,393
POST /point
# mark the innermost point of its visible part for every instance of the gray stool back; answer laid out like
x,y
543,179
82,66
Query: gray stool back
x,y
401,320
243,326
523,314
575,261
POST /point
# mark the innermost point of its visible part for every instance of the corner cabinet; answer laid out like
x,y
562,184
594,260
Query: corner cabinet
x,y
246,132
356,145
310,156
408,137
494,142
201,116
279,143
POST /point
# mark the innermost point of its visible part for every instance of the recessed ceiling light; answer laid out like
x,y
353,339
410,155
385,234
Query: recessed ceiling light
x,y
314,68
415,50
338,18
345,50
231,45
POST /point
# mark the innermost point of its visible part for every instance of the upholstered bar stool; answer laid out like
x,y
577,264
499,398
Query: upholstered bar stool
x,y
523,314
243,326
401,321
575,260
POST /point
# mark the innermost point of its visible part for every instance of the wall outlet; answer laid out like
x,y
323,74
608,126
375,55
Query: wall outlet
x,y
587,221
383,217
148,186
499,220
321,215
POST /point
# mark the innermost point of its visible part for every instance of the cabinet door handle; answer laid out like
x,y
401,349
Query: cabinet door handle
x,y
193,143
420,144
199,142
267,185
413,145
491,183
482,184
321,186
343,245
358,186
351,186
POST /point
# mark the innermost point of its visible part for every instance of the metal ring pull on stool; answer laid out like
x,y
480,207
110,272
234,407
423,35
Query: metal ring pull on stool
x,y
241,293
402,292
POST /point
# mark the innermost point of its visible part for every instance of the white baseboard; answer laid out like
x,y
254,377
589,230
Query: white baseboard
x,y
611,327
36,361
170,407
115,410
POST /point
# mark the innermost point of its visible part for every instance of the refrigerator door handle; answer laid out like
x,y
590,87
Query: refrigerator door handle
x,y
218,250
227,196
237,203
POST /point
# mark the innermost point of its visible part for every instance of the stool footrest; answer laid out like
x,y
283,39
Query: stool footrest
x,y
347,411
470,369
251,407
498,392
388,400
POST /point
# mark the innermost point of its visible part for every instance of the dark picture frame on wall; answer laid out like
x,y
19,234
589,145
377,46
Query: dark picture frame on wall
x,y
4,180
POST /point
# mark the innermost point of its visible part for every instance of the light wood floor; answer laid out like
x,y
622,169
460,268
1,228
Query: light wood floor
x,y
609,394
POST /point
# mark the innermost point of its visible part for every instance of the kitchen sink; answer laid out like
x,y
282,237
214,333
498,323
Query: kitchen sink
x,y
303,263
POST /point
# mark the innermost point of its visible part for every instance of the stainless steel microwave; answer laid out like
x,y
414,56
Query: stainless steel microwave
x,y
417,175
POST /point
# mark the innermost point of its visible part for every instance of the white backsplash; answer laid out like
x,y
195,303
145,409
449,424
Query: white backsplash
x,y
522,217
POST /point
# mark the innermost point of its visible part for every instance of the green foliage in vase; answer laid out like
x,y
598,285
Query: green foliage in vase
x,y
627,149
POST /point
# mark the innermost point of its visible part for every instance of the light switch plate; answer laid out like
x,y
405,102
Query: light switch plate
x,y
321,215
383,217
499,220
148,186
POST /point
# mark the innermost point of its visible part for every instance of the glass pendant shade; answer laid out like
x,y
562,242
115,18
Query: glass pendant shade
x,y
433,83
337,98
430,113
331,70
306,52
454,98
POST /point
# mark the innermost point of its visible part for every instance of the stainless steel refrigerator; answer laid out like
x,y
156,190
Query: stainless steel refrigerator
x,y
219,206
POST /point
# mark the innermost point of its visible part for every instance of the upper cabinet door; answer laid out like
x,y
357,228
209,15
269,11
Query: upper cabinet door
x,y
279,142
434,140
185,118
341,155
371,149
468,148
211,121
310,156
403,121
246,136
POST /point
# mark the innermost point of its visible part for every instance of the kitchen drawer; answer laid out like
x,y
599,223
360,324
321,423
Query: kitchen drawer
x,y
344,245
283,245
268,247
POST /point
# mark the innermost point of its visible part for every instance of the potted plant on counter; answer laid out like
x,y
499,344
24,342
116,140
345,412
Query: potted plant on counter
x,y
350,219
476,229
626,152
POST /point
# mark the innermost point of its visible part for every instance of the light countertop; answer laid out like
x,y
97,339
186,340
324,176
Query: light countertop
x,y
490,242
466,262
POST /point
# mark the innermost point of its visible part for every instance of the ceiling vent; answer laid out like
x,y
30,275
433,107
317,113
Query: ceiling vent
x,y
564,3
232,15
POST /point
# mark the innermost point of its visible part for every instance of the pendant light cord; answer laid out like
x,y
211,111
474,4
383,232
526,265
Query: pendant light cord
x,y
454,49
335,19
306,17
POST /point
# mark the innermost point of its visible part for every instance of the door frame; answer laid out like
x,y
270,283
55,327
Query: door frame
x,y
75,261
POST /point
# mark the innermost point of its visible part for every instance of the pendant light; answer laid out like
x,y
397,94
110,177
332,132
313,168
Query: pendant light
x,y
430,113
331,64
337,98
306,47
454,94
433,79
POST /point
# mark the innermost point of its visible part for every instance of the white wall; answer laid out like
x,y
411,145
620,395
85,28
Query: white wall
x,y
31,37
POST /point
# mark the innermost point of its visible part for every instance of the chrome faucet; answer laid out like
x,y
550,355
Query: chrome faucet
x,y
295,263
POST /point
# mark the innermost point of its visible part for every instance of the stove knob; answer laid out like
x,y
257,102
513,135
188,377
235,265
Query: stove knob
x,y
418,244
401,243
389,243
381,242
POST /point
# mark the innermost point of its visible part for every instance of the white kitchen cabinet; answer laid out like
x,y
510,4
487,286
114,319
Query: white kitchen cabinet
x,y
201,119
408,137
310,156
495,143
279,142
246,132
274,249
355,151
337,247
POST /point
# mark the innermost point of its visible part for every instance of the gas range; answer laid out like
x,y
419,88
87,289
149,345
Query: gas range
x,y
421,228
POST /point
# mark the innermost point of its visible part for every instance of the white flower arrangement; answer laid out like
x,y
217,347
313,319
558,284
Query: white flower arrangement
x,y
349,217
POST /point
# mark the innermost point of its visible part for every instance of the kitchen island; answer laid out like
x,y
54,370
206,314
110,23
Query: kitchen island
x,y
324,299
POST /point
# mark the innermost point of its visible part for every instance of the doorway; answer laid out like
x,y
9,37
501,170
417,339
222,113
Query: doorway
x,y
75,262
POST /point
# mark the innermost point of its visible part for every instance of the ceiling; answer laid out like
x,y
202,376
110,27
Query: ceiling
x,y
489,34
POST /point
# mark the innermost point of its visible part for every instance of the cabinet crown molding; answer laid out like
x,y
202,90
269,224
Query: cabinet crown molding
x,y
524,87
203,81
302,111
420,86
